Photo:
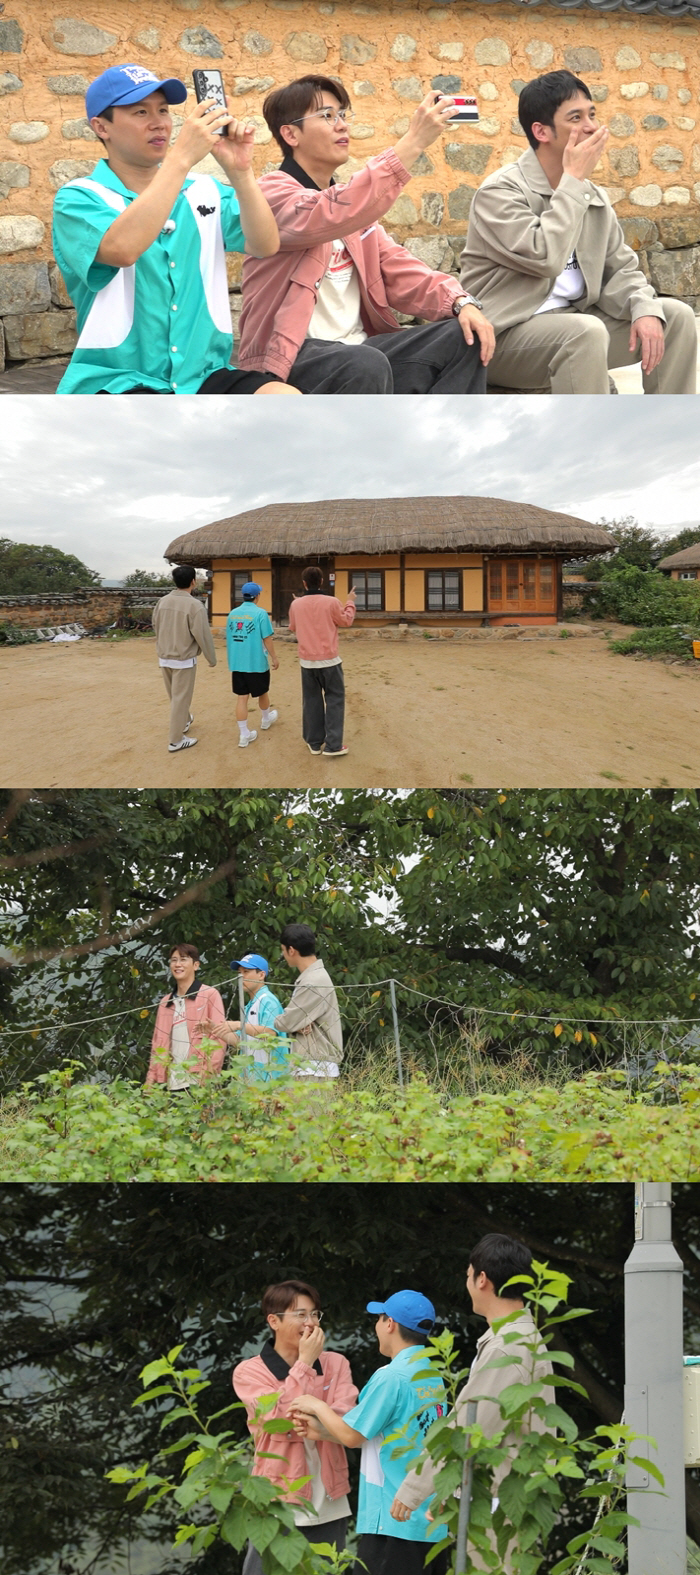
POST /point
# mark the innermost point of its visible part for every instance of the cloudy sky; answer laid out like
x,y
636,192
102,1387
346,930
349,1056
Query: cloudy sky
x,y
114,480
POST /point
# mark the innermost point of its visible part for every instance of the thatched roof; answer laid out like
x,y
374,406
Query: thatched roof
x,y
377,525
689,558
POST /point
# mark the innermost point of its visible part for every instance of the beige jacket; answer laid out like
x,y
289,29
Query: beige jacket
x,y
485,1381
521,235
182,628
314,1005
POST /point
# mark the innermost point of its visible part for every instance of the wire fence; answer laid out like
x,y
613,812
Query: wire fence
x,y
391,1030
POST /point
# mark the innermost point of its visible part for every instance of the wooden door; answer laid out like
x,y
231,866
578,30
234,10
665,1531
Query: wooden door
x,y
522,585
286,582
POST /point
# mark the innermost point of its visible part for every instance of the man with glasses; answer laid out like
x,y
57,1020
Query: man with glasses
x,y
321,315
293,1363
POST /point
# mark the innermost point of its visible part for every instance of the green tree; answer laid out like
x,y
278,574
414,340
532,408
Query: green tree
x,y
27,570
683,538
142,579
100,1280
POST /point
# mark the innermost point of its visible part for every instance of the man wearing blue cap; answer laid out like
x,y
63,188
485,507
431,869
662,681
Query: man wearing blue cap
x,y
269,1060
403,1398
250,648
142,244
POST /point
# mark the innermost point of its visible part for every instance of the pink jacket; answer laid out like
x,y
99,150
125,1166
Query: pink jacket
x,y
253,1378
316,619
206,1002
279,293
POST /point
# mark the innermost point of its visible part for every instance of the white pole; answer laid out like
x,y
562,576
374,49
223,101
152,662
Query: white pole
x,y
654,1385
397,1041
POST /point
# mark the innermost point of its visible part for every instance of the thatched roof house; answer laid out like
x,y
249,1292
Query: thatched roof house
x,y
424,560
683,565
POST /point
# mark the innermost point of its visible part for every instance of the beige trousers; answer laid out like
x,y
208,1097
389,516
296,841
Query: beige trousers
x,y
572,351
179,684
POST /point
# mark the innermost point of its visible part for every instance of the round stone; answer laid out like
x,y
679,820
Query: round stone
x,y
450,51
363,89
599,92
539,54
624,161
659,90
583,59
627,59
73,130
622,126
68,86
360,132
667,157
634,89
403,47
148,38
646,196
306,46
69,169
492,52
19,232
432,208
684,95
488,90
490,126
13,176
684,122
654,123
71,36
403,211
9,83
409,87
669,62
256,44
28,131
472,157
357,51
679,195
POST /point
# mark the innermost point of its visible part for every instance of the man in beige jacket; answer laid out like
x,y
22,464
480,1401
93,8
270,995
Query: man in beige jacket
x,y
494,1261
547,259
312,1017
182,633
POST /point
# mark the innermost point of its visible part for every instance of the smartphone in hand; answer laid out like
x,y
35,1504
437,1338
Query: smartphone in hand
x,y
466,111
210,84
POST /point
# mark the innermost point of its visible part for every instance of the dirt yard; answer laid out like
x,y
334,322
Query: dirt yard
x,y
523,713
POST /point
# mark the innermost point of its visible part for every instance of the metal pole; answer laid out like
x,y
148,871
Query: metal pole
x,y
397,1041
465,1501
244,1040
654,1385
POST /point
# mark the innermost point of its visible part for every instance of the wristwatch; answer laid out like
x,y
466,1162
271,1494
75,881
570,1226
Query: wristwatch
x,y
464,300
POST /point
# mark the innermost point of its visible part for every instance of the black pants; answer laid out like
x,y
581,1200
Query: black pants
x,y
334,1531
396,1556
434,359
323,706
228,380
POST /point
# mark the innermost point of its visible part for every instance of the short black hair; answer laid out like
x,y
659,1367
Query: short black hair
x,y
296,99
412,1336
183,575
300,937
105,114
312,577
501,1258
540,99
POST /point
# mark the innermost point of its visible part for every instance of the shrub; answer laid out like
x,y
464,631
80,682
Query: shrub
x,y
645,597
665,641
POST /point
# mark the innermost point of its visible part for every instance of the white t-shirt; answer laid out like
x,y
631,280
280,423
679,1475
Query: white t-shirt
x,y
179,1045
568,286
327,1508
336,314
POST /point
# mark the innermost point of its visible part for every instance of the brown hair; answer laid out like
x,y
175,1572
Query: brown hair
x,y
296,99
278,1298
184,950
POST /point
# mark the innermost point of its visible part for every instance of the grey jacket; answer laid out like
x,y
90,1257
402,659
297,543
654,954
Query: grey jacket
x,y
485,1381
182,628
521,235
314,1005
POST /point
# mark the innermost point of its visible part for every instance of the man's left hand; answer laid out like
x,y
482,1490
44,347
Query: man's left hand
x,y
472,322
234,152
648,332
400,1511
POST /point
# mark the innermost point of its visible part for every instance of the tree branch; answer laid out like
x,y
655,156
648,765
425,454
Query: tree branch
x,y
487,954
19,861
118,937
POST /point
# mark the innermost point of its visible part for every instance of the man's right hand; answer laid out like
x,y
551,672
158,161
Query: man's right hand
x,y
428,122
199,133
582,153
311,1345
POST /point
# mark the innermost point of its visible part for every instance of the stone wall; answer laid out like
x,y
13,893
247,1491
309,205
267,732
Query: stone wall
x,y
644,71
93,608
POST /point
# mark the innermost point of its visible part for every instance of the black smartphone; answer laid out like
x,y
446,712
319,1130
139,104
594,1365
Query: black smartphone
x,y
210,84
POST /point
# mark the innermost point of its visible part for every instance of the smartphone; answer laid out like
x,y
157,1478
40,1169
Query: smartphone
x,y
210,84
466,111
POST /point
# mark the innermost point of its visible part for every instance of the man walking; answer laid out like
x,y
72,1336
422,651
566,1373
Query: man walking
x,y
250,649
258,1023
312,1017
547,256
494,1261
294,1363
186,1016
394,1411
316,619
182,634
323,315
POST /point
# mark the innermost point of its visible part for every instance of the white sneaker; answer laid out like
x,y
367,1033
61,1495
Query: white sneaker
x,y
245,739
185,743
268,718
188,725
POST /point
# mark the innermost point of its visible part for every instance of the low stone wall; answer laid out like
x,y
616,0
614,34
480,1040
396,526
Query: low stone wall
x,y
95,609
644,70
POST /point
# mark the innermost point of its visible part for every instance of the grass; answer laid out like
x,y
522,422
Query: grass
x,y
469,1119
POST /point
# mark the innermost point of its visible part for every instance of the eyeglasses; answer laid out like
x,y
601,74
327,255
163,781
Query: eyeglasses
x,y
306,1317
331,117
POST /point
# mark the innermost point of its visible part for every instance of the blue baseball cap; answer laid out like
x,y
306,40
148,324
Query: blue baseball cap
x,y
128,85
252,960
251,588
408,1308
